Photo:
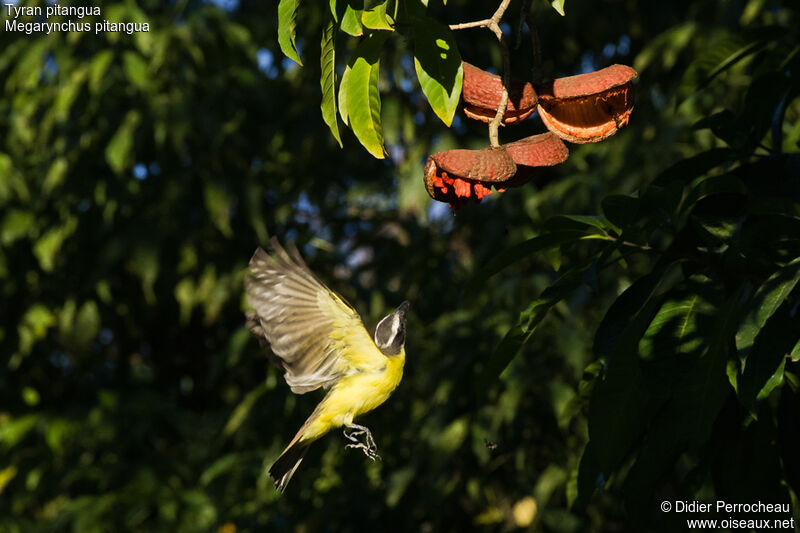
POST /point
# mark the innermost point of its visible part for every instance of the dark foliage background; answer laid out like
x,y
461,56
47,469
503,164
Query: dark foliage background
x,y
138,174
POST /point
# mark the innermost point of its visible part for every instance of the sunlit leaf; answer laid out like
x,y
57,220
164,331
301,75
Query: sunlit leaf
x,y
49,244
438,66
376,17
135,69
558,5
13,431
351,22
287,12
328,80
34,325
99,68
363,97
119,151
343,86
16,224
55,176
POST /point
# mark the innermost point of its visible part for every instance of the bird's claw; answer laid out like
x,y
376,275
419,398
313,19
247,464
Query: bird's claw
x,y
369,447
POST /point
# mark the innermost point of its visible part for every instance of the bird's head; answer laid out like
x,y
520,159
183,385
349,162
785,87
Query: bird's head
x,y
390,333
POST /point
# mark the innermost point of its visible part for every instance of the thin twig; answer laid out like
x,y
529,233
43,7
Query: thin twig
x,y
642,247
493,24
466,25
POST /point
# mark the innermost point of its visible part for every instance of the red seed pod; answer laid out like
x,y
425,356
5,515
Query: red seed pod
x,y
543,150
588,107
482,92
454,176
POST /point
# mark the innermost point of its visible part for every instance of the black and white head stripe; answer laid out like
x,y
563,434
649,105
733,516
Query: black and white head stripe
x,y
390,333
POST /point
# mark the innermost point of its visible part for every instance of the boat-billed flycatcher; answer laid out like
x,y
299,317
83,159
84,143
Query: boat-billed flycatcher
x,y
320,341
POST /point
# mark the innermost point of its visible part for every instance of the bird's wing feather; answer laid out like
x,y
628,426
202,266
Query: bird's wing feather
x,y
314,334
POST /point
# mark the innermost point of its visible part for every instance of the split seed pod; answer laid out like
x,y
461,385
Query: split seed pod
x,y
543,150
588,107
481,95
454,176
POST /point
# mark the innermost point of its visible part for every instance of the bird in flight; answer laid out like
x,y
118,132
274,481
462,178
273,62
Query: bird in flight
x,y
320,341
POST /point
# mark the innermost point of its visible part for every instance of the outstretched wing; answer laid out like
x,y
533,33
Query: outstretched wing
x,y
314,334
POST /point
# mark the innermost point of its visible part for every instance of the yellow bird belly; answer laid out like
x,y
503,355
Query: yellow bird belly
x,y
354,395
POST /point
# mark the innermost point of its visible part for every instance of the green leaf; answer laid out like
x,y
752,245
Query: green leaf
x,y
720,54
558,5
520,251
697,384
87,325
376,17
523,330
144,264
119,151
351,22
621,401
239,414
50,243
34,326
135,69
763,368
764,303
218,203
16,224
343,96
715,231
13,430
219,467
714,185
363,97
328,80
621,210
690,168
618,409
565,222
287,12
619,316
98,68
438,65
55,176
678,327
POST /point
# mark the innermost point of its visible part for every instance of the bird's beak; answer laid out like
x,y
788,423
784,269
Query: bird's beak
x,y
402,309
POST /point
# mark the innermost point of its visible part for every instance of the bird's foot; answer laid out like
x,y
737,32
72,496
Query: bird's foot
x,y
369,447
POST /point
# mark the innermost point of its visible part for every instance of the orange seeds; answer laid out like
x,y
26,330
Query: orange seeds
x,y
456,175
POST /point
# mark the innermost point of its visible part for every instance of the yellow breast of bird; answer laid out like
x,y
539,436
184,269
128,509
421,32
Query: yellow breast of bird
x,y
356,394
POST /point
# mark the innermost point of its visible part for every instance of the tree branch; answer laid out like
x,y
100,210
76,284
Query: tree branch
x,y
493,24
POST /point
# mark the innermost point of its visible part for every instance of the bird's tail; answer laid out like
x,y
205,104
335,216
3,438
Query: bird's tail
x,y
284,466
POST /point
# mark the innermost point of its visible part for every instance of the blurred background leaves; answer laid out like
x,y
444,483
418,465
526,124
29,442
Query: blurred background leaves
x,y
565,373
